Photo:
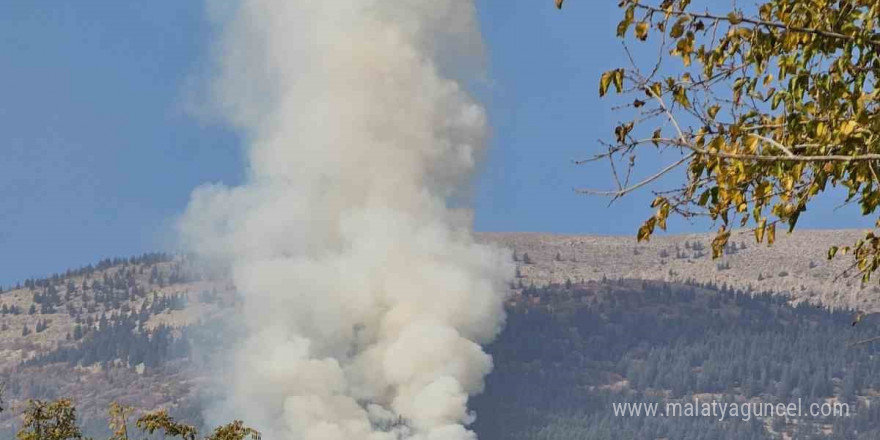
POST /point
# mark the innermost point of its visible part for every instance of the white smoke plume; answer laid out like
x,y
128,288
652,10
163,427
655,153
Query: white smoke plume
x,y
365,297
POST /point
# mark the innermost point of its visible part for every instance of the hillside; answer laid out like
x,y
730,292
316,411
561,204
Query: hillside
x,y
123,329
116,330
562,366
796,264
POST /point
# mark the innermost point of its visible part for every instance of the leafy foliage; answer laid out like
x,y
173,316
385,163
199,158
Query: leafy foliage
x,y
50,421
119,420
56,420
763,110
234,431
161,421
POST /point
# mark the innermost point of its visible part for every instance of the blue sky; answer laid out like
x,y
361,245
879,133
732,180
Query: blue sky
x,y
99,155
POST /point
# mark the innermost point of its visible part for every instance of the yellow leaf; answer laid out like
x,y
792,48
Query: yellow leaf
x,y
832,252
717,144
678,28
751,144
647,229
622,27
713,111
656,137
771,234
604,82
680,96
848,127
618,80
627,20
734,18
663,214
759,231
642,30
719,242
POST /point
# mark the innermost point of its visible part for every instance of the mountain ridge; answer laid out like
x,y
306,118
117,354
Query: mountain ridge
x,y
134,312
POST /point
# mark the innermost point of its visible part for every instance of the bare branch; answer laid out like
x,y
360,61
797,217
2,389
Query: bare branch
x,y
626,190
864,341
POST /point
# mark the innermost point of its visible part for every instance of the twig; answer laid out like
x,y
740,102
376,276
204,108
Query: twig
x,y
625,190
864,341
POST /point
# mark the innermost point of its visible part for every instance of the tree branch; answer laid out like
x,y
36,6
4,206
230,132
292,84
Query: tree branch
x,y
756,22
624,191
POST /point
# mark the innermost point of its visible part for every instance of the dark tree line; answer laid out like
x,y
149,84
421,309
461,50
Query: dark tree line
x,y
555,364
118,338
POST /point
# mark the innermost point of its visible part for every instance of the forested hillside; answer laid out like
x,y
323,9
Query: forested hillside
x,y
141,331
569,352
118,330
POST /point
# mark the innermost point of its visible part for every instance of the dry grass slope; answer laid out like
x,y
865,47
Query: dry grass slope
x,y
795,264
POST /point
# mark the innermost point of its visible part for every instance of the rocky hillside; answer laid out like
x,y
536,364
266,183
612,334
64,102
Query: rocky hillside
x,y
796,264
122,329
117,330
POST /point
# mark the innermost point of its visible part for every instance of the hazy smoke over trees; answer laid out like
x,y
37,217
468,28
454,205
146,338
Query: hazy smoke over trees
x,y
365,297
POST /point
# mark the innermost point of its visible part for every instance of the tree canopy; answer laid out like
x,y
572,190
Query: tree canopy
x,y
759,109
57,420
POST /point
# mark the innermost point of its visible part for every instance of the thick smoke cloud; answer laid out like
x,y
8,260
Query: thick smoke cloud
x,y
365,297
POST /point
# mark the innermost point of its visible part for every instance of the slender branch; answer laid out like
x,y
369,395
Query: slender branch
x,y
870,157
864,341
775,144
756,22
626,190
761,158
766,158
668,114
